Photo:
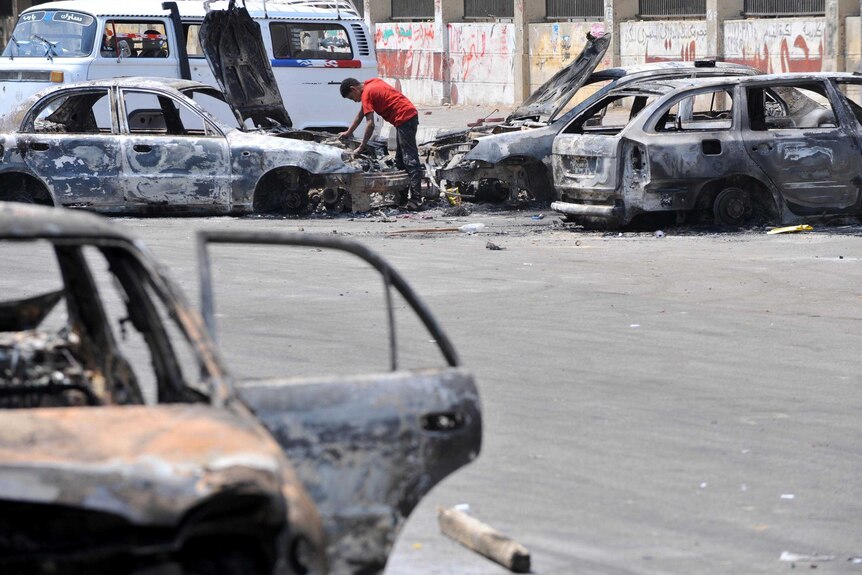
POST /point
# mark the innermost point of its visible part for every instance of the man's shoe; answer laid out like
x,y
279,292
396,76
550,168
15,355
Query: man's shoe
x,y
411,206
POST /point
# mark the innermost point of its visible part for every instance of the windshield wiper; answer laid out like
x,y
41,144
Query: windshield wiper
x,y
17,47
50,50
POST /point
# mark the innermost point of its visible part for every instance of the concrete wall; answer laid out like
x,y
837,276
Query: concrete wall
x,y
410,56
481,63
554,45
776,45
662,41
853,44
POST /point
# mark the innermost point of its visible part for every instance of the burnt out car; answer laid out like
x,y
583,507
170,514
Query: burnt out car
x,y
145,146
779,148
127,448
511,161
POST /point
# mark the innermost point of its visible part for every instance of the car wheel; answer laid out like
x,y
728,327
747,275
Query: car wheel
x,y
732,206
294,192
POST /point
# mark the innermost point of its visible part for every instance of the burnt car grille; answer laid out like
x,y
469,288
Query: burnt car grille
x,y
38,534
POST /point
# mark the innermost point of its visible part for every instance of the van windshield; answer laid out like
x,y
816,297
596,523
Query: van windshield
x,y
52,34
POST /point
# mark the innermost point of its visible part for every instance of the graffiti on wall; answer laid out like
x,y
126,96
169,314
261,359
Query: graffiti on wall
x,y
662,41
409,51
776,46
481,62
553,46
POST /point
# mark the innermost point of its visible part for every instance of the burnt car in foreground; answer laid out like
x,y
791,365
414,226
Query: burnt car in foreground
x,y
511,161
126,447
778,148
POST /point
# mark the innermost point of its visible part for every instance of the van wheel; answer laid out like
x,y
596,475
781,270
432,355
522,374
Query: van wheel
x,y
732,206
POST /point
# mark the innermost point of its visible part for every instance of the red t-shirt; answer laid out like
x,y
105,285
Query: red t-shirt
x,y
392,105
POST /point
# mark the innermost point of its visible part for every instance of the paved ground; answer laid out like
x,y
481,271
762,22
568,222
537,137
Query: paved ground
x,y
686,404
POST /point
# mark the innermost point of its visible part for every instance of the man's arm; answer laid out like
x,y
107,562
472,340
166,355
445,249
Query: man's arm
x,y
369,131
353,126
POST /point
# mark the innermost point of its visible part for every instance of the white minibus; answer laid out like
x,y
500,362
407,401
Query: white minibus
x,y
312,46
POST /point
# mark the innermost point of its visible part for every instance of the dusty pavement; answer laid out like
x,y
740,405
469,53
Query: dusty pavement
x,y
685,404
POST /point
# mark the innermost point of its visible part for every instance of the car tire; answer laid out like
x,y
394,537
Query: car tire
x,y
732,207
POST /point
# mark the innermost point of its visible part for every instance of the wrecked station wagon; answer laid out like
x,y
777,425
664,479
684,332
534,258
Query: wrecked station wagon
x,y
511,161
127,448
779,148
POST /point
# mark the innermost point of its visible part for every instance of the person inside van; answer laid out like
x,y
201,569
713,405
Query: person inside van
x,y
375,95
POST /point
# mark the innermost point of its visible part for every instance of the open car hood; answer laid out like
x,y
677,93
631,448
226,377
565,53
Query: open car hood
x,y
233,46
553,95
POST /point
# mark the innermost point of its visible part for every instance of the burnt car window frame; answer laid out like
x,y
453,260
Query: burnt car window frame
x,y
665,104
135,278
212,127
28,124
283,47
757,117
853,109
576,125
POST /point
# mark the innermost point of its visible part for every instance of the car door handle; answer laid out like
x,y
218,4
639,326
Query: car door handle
x,y
143,148
38,146
762,148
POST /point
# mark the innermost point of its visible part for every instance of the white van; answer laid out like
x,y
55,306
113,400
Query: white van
x,y
312,46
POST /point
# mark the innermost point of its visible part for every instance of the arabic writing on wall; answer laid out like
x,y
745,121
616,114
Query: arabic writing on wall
x,y
662,41
774,46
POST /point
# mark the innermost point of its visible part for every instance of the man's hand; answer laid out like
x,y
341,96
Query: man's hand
x,y
359,150
345,135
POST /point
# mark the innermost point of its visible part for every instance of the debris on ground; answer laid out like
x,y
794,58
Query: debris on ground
x,y
472,228
483,539
791,557
790,229
493,246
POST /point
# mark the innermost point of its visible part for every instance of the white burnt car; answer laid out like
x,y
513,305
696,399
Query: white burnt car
x,y
779,148
162,146
511,161
127,448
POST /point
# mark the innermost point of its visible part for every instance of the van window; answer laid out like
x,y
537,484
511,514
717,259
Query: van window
x,y
193,43
52,33
310,41
134,40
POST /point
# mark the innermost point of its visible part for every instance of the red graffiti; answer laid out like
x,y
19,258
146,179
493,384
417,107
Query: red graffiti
x,y
688,53
788,63
402,64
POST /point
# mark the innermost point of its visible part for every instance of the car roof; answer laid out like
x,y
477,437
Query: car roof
x,y
674,67
272,9
26,222
674,84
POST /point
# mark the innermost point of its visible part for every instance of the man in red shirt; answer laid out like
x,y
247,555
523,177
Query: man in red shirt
x,y
378,96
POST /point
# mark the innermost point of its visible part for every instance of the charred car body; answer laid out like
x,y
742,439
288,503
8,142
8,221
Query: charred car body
x,y
511,161
780,148
144,145
119,463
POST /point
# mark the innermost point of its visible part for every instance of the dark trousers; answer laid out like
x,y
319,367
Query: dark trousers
x,y
407,155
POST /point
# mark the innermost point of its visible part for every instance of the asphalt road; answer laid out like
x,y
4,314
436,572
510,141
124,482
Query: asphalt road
x,y
685,404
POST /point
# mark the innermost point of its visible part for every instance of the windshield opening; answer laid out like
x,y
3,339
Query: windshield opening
x,y
52,34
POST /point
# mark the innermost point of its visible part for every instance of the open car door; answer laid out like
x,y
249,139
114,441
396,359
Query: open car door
x,y
368,447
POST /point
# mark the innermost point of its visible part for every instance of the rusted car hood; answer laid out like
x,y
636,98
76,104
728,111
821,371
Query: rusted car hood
x,y
552,96
148,464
